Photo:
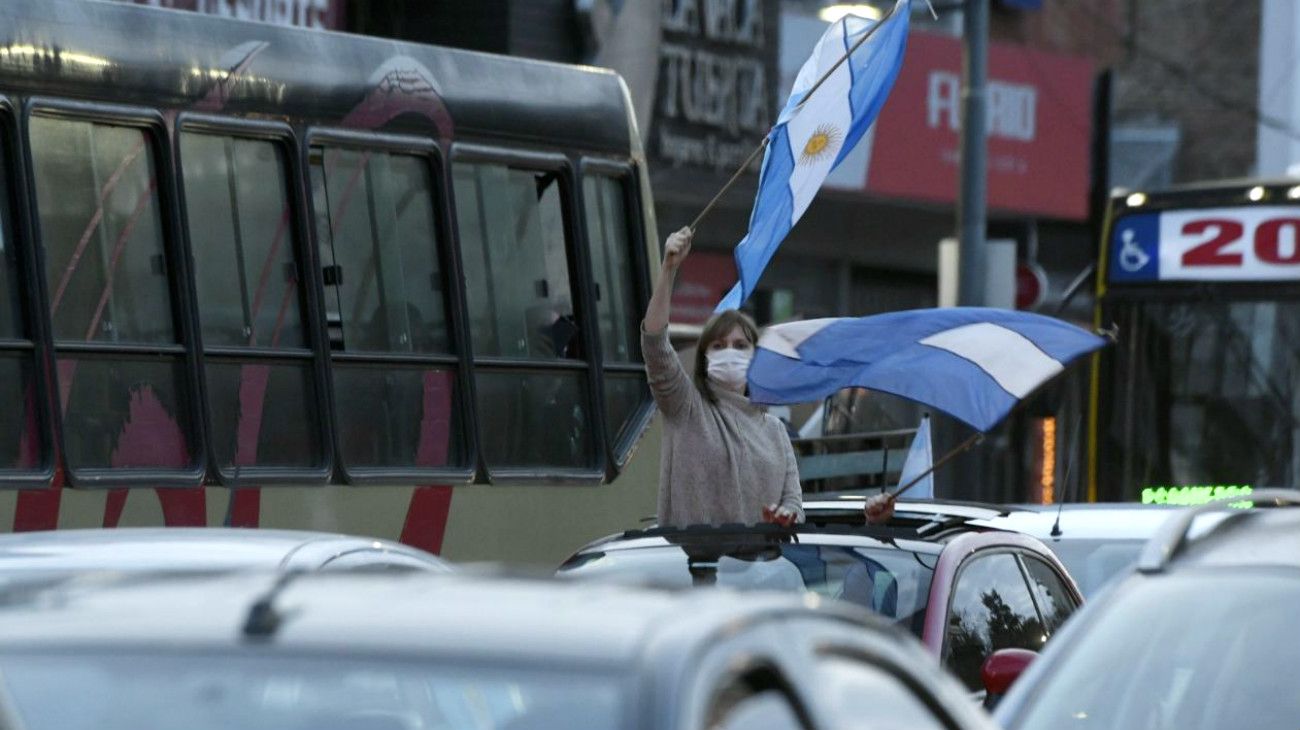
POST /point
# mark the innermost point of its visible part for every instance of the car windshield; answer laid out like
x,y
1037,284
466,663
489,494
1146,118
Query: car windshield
x,y
1194,651
892,582
1093,563
256,691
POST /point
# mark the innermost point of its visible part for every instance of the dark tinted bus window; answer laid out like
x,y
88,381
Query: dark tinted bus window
x,y
384,280
384,297
19,436
107,277
101,228
261,412
617,311
514,251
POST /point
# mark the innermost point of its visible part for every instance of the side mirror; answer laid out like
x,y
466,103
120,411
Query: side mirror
x,y
1000,669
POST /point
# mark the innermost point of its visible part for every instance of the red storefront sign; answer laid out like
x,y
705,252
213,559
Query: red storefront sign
x,y
1039,133
701,283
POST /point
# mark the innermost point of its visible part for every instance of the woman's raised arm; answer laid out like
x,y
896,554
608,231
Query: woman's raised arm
x,y
675,250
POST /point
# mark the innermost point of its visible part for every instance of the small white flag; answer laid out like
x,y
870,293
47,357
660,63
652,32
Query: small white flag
x,y
919,460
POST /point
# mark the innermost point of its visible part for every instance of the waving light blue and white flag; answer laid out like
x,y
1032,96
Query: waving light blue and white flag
x,y
811,138
973,363
920,460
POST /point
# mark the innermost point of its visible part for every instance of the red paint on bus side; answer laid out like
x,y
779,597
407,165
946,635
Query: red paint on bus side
x,y
426,518
245,507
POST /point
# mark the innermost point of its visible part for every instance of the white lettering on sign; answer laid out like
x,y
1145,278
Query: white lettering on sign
x,y
1248,243
1012,108
301,13
727,92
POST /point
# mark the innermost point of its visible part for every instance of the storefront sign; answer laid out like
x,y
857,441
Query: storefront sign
x,y
1191,495
701,283
1039,131
322,14
716,86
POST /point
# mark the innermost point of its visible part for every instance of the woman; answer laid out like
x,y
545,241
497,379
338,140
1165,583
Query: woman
x,y
724,459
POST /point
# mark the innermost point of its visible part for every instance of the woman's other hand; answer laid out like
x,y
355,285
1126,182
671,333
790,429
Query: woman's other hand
x,y
879,509
676,248
783,516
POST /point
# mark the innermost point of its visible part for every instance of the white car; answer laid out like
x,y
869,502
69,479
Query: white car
x,y
204,549
1095,541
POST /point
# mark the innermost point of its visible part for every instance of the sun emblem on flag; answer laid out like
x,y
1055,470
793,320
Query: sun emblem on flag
x,y
824,140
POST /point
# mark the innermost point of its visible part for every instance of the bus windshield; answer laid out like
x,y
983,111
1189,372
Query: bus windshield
x,y
1205,391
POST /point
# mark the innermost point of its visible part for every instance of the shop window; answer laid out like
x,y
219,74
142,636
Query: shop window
x,y
515,250
121,368
396,393
262,399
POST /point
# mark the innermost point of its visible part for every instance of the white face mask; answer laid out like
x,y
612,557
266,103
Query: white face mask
x,y
727,367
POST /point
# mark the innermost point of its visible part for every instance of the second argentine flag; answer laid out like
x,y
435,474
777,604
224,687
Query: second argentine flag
x,y
811,138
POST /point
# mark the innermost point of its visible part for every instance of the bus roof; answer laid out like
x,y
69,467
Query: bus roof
x,y
122,53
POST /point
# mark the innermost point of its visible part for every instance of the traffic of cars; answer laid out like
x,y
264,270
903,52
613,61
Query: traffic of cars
x,y
830,624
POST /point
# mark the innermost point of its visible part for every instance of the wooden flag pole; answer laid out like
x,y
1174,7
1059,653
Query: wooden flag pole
x,y
964,446
763,145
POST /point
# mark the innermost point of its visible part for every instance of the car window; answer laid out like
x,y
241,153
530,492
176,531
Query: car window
x,y
854,690
1054,599
1195,651
991,609
1094,563
272,691
894,583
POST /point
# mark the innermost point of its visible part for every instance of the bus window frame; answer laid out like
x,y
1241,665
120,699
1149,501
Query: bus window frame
x,y
619,450
152,124
281,135
579,265
453,300
37,342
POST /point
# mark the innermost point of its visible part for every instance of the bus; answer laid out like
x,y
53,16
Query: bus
x,y
254,275
1200,396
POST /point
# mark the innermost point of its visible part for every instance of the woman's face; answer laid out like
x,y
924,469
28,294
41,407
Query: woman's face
x,y
734,339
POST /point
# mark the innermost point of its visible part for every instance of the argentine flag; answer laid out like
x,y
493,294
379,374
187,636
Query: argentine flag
x,y
811,138
973,363
920,459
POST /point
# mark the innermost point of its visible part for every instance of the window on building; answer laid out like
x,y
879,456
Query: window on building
x,y
20,435
531,382
618,305
991,609
394,365
121,367
263,403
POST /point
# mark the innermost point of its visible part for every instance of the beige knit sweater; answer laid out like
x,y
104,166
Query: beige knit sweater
x,y
721,462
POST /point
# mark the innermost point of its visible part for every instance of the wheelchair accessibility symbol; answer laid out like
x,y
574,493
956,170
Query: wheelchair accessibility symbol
x,y
1131,256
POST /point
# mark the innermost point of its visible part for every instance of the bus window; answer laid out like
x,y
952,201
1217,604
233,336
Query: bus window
x,y
618,307
262,403
20,445
121,369
394,368
515,253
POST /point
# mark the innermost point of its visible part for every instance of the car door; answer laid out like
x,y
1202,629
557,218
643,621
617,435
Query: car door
x,y
991,607
871,677
741,681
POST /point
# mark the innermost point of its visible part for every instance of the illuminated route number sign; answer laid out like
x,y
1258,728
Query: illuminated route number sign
x,y
1256,243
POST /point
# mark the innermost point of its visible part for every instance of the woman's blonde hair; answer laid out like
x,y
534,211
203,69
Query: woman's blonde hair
x,y
720,324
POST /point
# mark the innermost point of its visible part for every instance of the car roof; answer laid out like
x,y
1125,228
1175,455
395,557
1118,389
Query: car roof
x,y
1103,521
426,614
183,548
740,537
1268,537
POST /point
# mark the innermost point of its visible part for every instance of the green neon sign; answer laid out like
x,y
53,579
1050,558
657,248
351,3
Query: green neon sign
x,y
1193,494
